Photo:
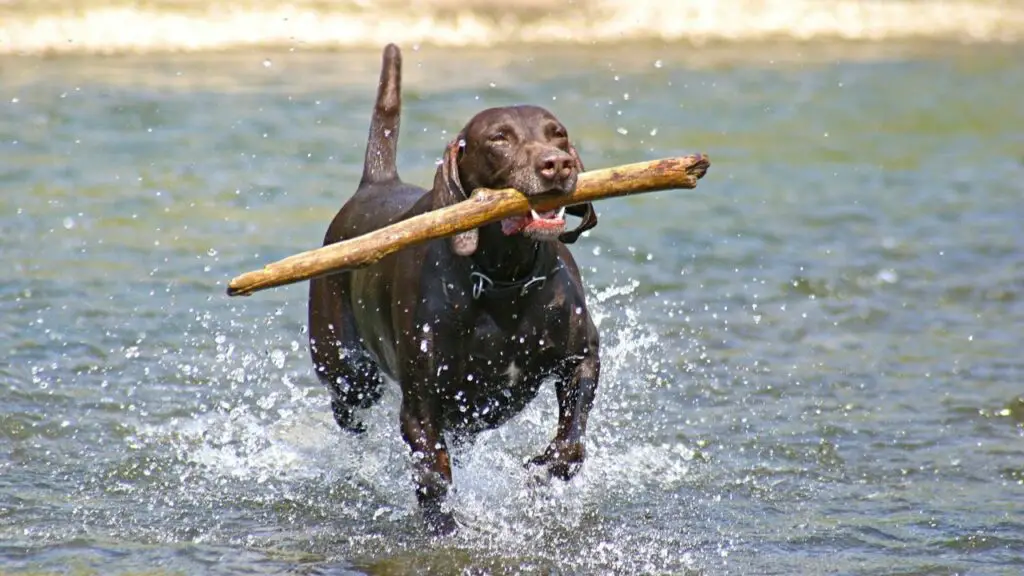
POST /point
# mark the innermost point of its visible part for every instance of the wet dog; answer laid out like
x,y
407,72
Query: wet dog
x,y
469,326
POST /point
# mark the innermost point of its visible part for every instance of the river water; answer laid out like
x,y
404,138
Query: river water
x,y
812,362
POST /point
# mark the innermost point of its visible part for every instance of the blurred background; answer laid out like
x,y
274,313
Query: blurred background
x,y
811,363
103,26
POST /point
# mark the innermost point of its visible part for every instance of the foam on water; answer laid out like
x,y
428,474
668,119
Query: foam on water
x,y
107,26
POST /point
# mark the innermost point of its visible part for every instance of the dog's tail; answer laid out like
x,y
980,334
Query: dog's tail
x,y
382,148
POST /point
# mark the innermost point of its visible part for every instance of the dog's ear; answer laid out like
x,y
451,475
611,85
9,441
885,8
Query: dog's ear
x,y
584,211
448,190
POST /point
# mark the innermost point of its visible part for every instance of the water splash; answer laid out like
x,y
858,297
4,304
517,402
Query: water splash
x,y
262,451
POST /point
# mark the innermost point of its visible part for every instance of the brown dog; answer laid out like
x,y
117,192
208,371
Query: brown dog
x,y
470,326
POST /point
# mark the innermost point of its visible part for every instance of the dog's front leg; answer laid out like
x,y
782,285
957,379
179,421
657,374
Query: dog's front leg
x,y
576,391
432,471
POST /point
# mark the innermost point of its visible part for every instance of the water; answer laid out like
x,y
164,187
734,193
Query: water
x,y
811,362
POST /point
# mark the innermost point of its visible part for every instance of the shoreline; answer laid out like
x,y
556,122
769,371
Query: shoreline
x,y
111,27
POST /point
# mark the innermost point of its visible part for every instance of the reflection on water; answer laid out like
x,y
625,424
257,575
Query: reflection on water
x,y
811,362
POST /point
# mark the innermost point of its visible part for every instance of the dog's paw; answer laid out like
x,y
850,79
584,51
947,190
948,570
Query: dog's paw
x,y
355,427
560,461
347,421
440,523
560,469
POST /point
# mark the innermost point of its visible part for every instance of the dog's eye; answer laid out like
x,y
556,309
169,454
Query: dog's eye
x,y
556,132
498,137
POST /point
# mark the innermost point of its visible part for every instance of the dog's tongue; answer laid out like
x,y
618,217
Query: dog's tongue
x,y
541,224
514,225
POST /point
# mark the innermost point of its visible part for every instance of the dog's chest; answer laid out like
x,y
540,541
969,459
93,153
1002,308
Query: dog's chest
x,y
502,371
531,343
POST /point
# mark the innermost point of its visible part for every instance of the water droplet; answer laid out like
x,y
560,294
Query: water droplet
x,y
69,223
14,100
888,276
267,402
267,63
658,64
211,252
654,131
622,130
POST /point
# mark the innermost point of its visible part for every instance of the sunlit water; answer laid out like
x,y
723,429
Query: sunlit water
x,y
812,362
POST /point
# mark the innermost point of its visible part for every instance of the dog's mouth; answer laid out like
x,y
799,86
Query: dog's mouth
x,y
537,225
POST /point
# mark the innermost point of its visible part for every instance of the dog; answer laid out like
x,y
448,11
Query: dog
x,y
469,326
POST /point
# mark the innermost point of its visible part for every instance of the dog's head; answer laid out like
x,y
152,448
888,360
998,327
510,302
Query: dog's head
x,y
521,147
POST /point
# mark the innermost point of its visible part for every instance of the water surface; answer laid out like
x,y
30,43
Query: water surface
x,y
811,362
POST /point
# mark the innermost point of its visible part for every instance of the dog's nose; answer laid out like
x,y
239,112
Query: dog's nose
x,y
555,166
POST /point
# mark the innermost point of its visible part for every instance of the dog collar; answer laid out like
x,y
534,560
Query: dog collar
x,y
485,286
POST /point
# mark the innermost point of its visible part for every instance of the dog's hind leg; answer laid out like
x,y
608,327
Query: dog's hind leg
x,y
339,357
341,362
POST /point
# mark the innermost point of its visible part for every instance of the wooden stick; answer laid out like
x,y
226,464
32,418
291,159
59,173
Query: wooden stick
x,y
483,207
